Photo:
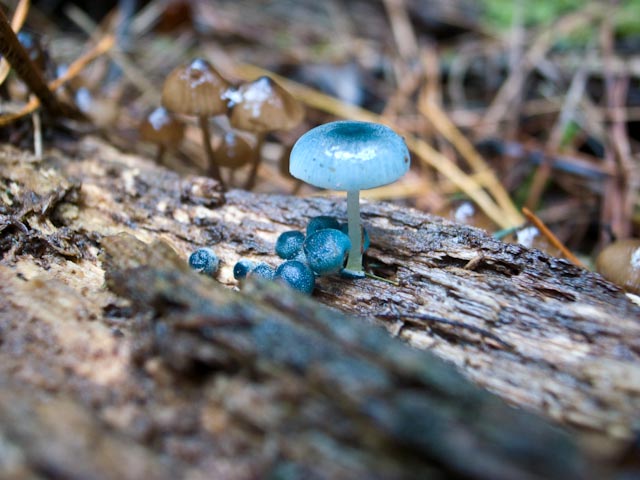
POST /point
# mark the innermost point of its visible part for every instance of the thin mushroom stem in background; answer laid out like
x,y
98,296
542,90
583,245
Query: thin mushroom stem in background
x,y
255,162
160,154
212,166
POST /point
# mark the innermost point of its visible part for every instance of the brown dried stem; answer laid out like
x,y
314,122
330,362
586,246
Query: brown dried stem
x,y
555,241
19,16
18,58
74,69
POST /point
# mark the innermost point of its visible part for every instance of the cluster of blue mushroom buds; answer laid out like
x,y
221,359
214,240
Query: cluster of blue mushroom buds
x,y
350,156
322,251
345,156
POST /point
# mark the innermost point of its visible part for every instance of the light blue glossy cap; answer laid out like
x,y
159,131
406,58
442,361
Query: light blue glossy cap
x,y
349,155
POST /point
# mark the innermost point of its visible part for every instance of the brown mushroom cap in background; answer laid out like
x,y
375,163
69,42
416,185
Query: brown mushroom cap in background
x,y
233,151
620,264
195,89
264,106
162,128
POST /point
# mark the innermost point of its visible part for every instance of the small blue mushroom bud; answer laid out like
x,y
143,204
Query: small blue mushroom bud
x,y
289,244
322,222
301,257
242,268
326,251
344,228
204,260
262,270
297,275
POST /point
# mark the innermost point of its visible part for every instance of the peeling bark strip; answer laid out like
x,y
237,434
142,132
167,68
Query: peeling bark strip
x,y
381,396
198,391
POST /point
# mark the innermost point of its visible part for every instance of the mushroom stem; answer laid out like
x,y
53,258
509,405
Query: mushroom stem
x,y
354,263
253,174
212,166
160,154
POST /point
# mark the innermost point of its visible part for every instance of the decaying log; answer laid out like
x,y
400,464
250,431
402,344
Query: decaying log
x,y
238,384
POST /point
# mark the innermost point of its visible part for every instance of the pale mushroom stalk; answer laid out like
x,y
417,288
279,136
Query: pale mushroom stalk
x,y
212,166
253,174
354,262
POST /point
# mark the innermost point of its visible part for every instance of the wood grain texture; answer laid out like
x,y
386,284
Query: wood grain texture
x,y
537,331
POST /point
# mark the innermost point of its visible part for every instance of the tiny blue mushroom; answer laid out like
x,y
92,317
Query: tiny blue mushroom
x,y
204,260
289,244
242,268
297,275
321,222
262,270
326,251
351,156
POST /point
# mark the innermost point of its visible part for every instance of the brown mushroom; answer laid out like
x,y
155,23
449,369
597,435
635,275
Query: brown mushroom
x,y
103,111
197,89
619,263
262,106
162,128
233,151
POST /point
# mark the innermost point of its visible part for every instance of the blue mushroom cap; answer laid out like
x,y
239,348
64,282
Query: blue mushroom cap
x,y
289,244
204,260
262,270
326,251
321,222
349,155
297,275
242,268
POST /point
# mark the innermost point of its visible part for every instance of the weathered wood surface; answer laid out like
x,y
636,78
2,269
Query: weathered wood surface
x,y
537,331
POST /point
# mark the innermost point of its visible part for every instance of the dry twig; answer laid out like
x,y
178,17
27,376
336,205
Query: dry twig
x,y
74,69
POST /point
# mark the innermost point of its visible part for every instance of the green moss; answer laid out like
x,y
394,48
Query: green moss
x,y
498,14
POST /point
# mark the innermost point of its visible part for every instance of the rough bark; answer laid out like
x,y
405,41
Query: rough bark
x,y
210,381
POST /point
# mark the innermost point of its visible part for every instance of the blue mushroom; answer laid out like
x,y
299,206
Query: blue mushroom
x,y
322,222
204,260
297,275
263,270
242,268
350,156
326,251
289,244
